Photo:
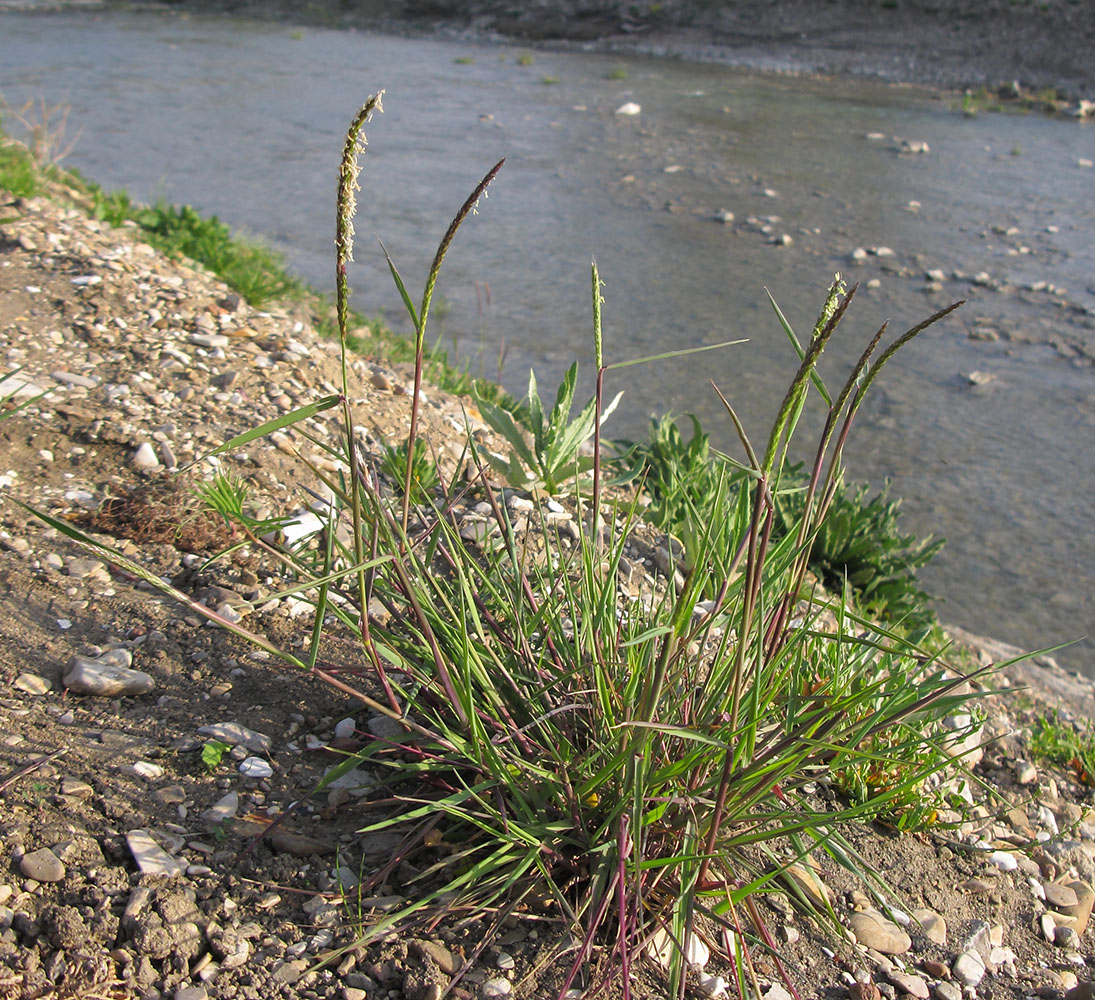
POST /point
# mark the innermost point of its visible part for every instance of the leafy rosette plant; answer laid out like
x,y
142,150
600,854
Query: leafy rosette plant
x,y
545,449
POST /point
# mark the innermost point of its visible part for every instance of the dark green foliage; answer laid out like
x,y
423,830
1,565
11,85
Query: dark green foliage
x,y
860,541
681,479
254,271
17,171
1067,744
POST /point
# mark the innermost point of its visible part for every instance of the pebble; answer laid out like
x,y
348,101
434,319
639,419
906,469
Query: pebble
x,y
629,109
1004,860
969,968
237,735
496,988
946,991
150,857
42,866
145,457
297,844
32,684
75,788
1081,910
908,983
255,767
146,769
445,960
873,930
224,809
1059,895
934,926
191,993
104,679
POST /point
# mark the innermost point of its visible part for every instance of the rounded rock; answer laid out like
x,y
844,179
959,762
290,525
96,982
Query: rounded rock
x,y
87,676
873,930
42,866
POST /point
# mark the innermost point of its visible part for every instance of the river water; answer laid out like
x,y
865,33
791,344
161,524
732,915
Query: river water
x,y
245,120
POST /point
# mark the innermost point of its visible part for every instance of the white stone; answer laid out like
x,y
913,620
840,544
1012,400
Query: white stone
x,y
256,767
969,968
629,109
150,857
223,809
145,457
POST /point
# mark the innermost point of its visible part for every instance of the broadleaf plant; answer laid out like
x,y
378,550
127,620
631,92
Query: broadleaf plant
x,y
553,457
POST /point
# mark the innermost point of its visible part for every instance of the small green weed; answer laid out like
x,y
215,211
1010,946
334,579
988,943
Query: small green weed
x,y
423,474
213,752
617,73
1069,744
464,60
524,59
549,81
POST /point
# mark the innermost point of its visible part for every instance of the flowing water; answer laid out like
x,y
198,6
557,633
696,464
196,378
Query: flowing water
x,y
245,120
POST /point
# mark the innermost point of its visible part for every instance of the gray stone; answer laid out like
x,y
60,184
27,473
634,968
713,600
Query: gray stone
x,y
445,960
908,983
75,788
496,988
94,677
237,735
873,930
946,991
384,728
222,810
191,993
979,939
298,844
1083,990
1081,910
1060,895
42,866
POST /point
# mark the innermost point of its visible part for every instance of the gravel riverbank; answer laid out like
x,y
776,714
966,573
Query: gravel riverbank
x,y
953,44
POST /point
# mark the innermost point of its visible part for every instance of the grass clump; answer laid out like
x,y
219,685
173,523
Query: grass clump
x,y
632,769
1068,744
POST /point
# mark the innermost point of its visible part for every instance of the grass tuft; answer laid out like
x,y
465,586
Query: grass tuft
x,y
630,767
